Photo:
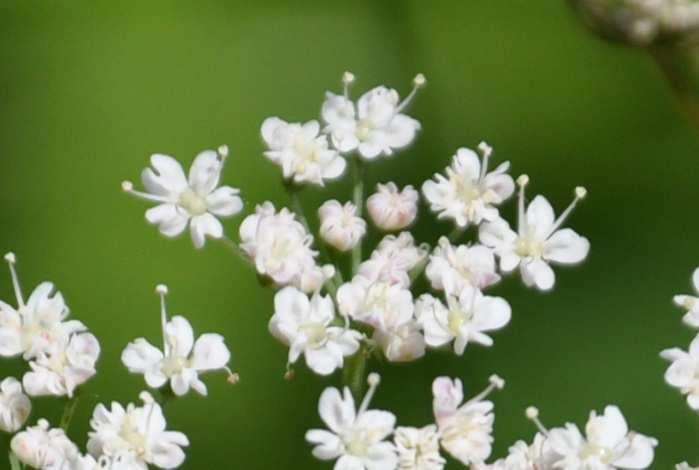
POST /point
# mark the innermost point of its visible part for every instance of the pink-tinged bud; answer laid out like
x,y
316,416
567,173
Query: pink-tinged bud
x,y
391,209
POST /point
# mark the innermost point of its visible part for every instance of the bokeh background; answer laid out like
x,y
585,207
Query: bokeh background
x,y
88,90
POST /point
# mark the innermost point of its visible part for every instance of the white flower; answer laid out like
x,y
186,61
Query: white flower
x,y
465,429
304,325
393,259
400,338
280,248
35,325
68,364
376,126
537,456
468,194
683,373
195,200
139,431
691,303
182,358
607,444
301,151
374,303
340,226
43,448
391,209
418,449
538,241
465,319
355,438
452,269
14,405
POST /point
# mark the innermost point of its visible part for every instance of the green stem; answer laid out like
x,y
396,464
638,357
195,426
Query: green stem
x,y
235,248
68,412
15,464
354,372
455,234
358,200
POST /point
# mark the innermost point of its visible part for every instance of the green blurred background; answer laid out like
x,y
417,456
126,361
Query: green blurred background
x,y
88,90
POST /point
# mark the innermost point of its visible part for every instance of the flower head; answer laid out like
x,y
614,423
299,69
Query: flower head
x,y
392,261
305,326
690,303
139,431
418,449
35,326
182,359
538,242
391,209
468,194
375,126
301,151
355,437
41,447
453,268
195,200
464,319
340,226
14,405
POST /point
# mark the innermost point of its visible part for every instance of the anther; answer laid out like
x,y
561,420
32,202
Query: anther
x,y
580,192
347,78
374,379
532,414
419,80
10,258
127,186
485,149
161,289
223,151
523,180
497,381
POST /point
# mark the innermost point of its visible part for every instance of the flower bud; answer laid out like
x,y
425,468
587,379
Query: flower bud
x,y
340,227
391,209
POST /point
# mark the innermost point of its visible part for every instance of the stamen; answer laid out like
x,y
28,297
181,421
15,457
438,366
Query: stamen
x,y
11,260
233,377
532,414
580,193
161,290
522,181
289,374
127,187
486,150
347,80
418,82
373,380
223,152
496,383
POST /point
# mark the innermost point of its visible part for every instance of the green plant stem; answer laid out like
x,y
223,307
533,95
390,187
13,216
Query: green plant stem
x,y
15,464
68,411
354,374
358,200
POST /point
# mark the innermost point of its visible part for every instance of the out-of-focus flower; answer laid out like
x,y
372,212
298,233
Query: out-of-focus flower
x,y
280,248
392,261
356,438
43,448
391,209
374,127
301,151
683,373
139,431
453,268
15,406
36,325
195,200
538,241
68,364
690,302
340,226
465,319
182,358
418,449
468,194
304,325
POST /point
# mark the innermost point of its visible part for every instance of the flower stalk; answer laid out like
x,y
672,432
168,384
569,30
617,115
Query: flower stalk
x,y
358,199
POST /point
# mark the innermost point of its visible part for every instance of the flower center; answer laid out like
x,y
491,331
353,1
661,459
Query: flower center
x,y
129,432
456,318
528,247
364,128
594,451
315,333
172,365
377,298
192,203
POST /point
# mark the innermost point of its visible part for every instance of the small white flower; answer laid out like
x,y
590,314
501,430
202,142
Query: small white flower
x,y
607,444
418,449
690,303
182,358
195,200
465,429
139,431
340,226
280,248
35,325
465,319
453,268
400,338
43,448
15,406
304,325
537,456
375,126
301,151
355,438
393,259
538,241
68,364
468,194
124,461
391,209
683,373
374,303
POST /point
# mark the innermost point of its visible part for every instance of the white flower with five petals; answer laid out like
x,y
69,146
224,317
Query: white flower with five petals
x,y
182,359
356,438
468,194
305,326
375,126
691,303
391,209
452,268
418,449
301,151
538,240
14,405
340,226
43,447
195,200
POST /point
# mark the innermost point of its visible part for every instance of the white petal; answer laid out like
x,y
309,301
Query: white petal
x,y
540,217
639,455
224,201
210,352
336,411
203,225
205,172
566,247
140,356
179,336
166,178
537,272
171,220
